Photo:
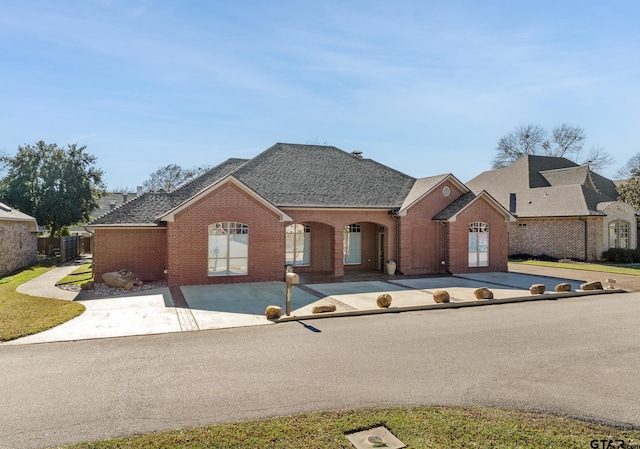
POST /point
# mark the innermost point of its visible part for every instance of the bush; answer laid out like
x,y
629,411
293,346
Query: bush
x,y
525,256
620,255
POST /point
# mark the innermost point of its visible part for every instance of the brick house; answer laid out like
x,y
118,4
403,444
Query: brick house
x,y
18,239
563,210
317,208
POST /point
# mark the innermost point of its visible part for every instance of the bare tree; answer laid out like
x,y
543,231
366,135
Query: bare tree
x,y
171,176
598,159
631,169
525,140
566,141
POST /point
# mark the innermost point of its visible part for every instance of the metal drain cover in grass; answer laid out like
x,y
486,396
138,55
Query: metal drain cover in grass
x,y
376,437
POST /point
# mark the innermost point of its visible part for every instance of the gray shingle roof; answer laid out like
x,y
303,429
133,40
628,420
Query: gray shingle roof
x,y
460,203
287,175
546,187
420,187
293,175
146,208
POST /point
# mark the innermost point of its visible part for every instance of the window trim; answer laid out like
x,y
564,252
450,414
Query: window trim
x,y
306,234
227,227
476,229
355,229
617,227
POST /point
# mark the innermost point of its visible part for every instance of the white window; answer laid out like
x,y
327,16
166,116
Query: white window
x,y
619,234
479,245
352,244
228,249
298,245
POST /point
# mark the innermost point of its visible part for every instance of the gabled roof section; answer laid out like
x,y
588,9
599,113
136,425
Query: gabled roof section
x,y
10,214
170,215
146,209
547,187
294,175
450,213
423,186
568,176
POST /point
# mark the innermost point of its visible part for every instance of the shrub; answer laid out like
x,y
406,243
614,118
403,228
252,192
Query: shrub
x,y
620,255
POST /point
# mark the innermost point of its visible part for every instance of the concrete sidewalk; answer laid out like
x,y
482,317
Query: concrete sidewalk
x,y
45,284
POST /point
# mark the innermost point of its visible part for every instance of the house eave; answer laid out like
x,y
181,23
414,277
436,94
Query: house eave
x,y
405,207
170,215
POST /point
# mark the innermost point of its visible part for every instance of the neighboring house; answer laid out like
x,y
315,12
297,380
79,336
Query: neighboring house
x,y
317,208
18,239
106,204
564,210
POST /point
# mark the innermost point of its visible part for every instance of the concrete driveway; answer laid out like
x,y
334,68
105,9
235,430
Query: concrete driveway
x,y
223,306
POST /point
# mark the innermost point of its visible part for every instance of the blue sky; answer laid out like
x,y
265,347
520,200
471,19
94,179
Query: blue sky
x,y
426,87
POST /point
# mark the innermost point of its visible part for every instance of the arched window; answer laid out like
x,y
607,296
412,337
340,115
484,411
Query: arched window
x,y
479,244
619,234
298,245
228,249
352,244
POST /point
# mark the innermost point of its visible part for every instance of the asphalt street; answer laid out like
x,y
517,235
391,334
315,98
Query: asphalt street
x,y
578,357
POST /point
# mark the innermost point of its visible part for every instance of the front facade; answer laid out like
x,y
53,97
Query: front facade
x,y
317,208
18,239
563,210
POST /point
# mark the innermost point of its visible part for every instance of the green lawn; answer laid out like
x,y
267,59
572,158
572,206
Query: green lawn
x,y
631,269
417,427
81,275
22,315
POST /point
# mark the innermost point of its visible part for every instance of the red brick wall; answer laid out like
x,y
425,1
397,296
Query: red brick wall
x,y
555,237
141,250
458,252
188,238
321,248
420,236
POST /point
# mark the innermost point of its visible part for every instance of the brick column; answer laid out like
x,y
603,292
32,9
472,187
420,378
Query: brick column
x,y
338,251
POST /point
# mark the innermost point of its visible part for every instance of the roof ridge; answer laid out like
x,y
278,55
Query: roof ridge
x,y
121,205
204,172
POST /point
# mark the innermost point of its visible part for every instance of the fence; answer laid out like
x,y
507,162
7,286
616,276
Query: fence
x,y
68,248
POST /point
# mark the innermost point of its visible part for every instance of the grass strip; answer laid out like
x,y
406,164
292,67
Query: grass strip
x,y
417,427
79,276
633,270
22,315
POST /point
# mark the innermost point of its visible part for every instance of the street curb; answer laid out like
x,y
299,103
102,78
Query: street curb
x,y
451,305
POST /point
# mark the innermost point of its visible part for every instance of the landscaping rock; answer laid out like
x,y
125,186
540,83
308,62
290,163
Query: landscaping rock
x,y
537,289
273,312
441,296
87,286
563,287
323,308
114,280
596,285
483,293
121,278
384,300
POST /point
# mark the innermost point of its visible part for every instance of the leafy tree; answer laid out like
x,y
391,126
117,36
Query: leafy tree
x,y
565,141
629,192
59,187
171,176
